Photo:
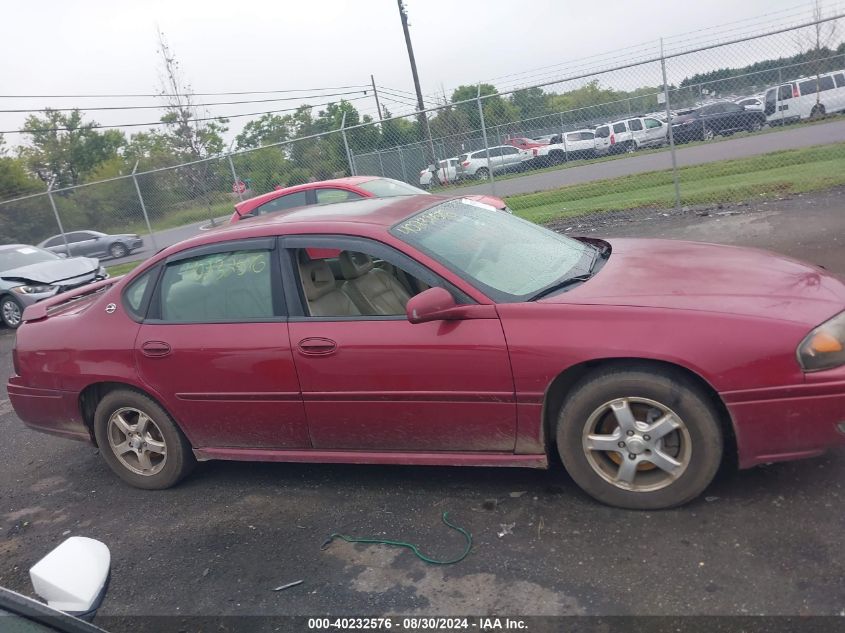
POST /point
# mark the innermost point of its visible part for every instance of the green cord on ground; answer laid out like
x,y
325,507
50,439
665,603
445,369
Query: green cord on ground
x,y
410,546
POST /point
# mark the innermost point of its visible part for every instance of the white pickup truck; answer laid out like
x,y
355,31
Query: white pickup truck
x,y
568,146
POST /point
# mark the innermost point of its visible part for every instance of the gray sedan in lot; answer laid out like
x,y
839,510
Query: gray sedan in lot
x,y
93,244
29,274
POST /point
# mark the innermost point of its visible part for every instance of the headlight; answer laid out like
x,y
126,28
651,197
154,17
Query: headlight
x,y
824,347
33,290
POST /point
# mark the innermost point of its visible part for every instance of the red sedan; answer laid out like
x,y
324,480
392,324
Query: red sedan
x,y
524,143
435,330
332,191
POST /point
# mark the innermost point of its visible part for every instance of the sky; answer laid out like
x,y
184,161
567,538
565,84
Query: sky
x,y
110,46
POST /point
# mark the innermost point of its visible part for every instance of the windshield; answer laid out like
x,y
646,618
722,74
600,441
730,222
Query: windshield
x,y
506,257
24,256
388,188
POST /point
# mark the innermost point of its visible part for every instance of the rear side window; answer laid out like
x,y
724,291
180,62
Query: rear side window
x,y
602,131
808,87
653,123
826,83
231,286
840,80
619,127
136,294
785,92
635,125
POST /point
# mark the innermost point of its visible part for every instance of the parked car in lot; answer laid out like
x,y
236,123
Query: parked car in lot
x,y
435,330
29,274
722,117
502,158
521,142
568,146
629,135
332,191
805,98
752,103
447,172
93,244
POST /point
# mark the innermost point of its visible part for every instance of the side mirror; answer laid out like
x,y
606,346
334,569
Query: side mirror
x,y
73,577
434,304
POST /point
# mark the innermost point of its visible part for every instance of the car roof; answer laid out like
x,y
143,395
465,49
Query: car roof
x,y
272,195
378,214
12,247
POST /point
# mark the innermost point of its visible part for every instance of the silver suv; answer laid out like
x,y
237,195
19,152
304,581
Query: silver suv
x,y
502,158
631,134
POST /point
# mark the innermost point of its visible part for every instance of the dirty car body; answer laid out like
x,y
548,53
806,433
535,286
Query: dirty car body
x,y
433,330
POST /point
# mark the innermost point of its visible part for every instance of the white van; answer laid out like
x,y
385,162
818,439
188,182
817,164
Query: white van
x,y
797,99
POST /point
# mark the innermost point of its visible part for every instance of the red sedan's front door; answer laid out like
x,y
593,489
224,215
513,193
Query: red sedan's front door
x,y
386,385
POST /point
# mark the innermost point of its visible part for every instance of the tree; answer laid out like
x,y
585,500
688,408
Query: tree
x,y
530,102
63,147
816,41
265,130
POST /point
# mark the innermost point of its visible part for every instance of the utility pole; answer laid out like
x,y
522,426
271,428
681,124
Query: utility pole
x,y
421,117
375,94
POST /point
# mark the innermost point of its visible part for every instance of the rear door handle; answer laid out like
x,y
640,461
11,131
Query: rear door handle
x,y
155,348
317,346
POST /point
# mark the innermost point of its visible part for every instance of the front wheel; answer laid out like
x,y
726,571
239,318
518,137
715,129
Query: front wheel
x,y
11,311
755,126
639,439
818,111
140,441
117,250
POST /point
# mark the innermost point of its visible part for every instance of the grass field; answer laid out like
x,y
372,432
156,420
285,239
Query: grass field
x,y
790,171
121,269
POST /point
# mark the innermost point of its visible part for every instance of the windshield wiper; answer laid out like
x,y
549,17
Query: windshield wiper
x,y
561,285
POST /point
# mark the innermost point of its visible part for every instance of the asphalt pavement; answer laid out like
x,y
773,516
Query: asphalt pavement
x,y
763,541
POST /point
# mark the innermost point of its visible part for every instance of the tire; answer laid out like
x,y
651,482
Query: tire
x,y
630,147
818,111
755,126
118,249
482,173
707,134
557,157
11,312
613,476
116,423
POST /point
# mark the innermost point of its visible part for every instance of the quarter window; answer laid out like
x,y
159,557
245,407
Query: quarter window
x,y
826,83
136,292
840,80
282,203
635,125
785,92
619,127
231,286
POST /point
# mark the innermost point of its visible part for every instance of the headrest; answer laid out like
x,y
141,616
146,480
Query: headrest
x,y
317,278
354,265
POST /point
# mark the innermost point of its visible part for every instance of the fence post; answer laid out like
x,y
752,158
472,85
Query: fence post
x,y
235,180
346,145
56,213
777,95
380,163
402,164
486,144
143,207
669,131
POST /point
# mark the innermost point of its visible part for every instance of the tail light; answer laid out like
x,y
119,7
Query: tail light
x,y
423,172
15,362
612,139
465,164
795,90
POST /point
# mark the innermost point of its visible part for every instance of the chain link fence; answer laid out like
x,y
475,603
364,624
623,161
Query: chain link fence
x,y
663,126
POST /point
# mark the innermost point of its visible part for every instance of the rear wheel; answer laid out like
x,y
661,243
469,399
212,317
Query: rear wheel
x,y
630,147
818,111
639,439
140,441
11,311
482,174
707,134
557,157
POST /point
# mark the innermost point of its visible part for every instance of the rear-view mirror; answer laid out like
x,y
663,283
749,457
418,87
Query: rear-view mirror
x,y
73,577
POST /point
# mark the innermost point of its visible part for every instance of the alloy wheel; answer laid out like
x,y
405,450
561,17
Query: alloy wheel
x,y
137,441
11,312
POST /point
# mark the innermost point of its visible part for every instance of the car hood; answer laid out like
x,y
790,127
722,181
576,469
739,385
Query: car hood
x,y
53,271
710,278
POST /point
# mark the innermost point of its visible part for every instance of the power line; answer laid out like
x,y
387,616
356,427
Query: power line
x,y
404,93
196,105
194,94
156,123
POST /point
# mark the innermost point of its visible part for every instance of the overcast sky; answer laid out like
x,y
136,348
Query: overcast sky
x,y
109,46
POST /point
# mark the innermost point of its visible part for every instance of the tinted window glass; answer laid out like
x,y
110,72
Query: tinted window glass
x,y
808,87
652,123
770,96
826,83
587,136
56,241
509,151
840,80
732,107
635,125
78,236
619,127
603,131
290,201
785,92
573,136
134,293
330,196
387,187
232,286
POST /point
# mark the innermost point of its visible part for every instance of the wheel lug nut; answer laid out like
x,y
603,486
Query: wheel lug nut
x,y
630,433
646,437
631,456
621,444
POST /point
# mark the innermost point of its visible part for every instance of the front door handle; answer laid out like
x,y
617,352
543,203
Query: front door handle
x,y
155,348
317,346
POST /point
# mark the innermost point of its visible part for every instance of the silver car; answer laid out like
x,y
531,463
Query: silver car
x,y
502,158
93,244
29,274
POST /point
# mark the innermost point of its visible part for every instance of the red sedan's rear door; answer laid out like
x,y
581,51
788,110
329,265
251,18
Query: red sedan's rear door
x,y
217,349
378,382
